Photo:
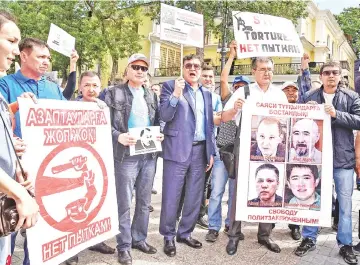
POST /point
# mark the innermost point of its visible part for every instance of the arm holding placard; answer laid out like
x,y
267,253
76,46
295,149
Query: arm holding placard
x,y
224,78
71,83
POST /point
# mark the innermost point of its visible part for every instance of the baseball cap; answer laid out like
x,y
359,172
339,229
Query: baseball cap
x,y
138,57
241,78
289,83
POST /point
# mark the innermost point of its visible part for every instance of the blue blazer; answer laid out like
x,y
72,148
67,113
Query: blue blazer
x,y
180,125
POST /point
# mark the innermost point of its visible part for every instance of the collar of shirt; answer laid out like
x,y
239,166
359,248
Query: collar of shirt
x,y
192,89
136,90
23,79
270,88
316,202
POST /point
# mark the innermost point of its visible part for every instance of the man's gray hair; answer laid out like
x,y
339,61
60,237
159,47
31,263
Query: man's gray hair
x,y
260,59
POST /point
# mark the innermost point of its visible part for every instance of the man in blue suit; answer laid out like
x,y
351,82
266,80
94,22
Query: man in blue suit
x,y
188,152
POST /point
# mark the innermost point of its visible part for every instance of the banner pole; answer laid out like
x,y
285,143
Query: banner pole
x,y
181,59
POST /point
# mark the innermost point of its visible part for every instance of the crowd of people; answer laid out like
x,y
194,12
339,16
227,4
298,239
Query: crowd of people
x,y
196,120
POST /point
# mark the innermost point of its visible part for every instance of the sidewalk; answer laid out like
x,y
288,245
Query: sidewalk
x,y
249,251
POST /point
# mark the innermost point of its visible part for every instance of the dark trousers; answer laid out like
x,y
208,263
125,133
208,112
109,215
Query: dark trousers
x,y
264,230
207,192
292,226
175,175
336,212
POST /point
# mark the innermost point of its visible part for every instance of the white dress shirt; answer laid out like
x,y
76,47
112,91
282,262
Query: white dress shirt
x,y
273,94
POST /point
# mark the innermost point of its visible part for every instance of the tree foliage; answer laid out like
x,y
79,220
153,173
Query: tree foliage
x,y
111,27
99,27
349,21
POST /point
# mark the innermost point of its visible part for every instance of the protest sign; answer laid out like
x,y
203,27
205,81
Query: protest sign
x,y
146,140
69,153
285,167
181,26
265,35
60,41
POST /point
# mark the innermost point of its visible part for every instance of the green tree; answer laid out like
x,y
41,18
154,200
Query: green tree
x,y
349,21
35,17
118,22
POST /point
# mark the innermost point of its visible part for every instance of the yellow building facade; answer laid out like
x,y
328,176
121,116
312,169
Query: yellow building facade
x,y
320,34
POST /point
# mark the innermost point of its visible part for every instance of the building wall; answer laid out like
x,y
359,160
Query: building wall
x,y
316,28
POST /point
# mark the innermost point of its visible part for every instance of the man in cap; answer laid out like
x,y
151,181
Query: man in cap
x,y
291,91
132,106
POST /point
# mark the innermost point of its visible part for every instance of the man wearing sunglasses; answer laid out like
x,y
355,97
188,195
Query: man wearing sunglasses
x,y
188,151
343,105
133,106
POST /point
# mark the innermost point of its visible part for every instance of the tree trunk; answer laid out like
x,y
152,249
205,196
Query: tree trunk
x,y
114,69
64,77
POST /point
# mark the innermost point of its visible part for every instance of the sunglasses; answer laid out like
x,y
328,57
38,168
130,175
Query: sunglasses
x,y
138,67
190,66
329,72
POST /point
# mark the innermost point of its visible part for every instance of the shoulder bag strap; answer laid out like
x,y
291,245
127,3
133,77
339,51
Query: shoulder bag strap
x,y
12,144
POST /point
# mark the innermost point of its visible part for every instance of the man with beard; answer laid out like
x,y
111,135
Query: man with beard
x,y
267,182
305,134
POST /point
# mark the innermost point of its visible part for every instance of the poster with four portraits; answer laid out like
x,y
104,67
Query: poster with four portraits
x,y
285,164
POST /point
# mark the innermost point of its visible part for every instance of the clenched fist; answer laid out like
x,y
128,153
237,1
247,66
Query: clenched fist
x,y
179,87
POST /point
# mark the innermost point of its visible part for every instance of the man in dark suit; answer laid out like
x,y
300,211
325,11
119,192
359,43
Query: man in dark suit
x,y
188,151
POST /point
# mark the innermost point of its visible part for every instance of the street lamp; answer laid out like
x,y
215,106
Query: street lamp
x,y
223,17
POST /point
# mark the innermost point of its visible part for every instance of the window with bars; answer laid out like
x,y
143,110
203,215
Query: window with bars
x,y
163,54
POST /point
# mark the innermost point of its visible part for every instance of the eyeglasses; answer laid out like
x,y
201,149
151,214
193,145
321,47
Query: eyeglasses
x,y
136,67
263,70
190,66
329,72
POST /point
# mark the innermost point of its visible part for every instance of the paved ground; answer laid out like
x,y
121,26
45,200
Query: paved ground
x,y
249,251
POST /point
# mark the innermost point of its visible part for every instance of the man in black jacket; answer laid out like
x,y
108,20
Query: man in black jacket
x,y
132,106
343,105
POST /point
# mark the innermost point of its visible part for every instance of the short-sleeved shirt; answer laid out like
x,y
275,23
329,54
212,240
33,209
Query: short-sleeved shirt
x,y
12,86
217,106
272,94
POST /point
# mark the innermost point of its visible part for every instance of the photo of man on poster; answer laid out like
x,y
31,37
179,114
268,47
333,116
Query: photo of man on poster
x,y
304,136
303,180
267,183
146,140
269,137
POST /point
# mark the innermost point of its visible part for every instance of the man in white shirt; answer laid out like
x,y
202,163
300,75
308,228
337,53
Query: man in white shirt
x,y
261,90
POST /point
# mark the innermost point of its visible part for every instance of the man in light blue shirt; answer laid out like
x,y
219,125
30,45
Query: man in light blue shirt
x,y
35,61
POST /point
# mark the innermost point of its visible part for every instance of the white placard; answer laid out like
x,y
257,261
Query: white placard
x,y
146,140
181,26
285,164
60,41
264,35
69,154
